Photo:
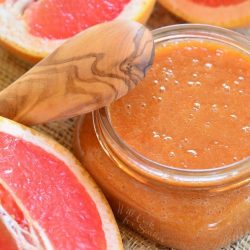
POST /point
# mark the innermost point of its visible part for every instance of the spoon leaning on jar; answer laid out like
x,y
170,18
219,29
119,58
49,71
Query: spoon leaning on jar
x,y
87,72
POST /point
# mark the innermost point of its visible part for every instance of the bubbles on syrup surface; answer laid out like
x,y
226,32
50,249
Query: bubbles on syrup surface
x,y
195,61
169,73
194,83
190,117
235,158
246,129
162,89
156,134
167,138
183,164
219,52
207,124
214,107
171,154
191,83
208,65
233,116
248,199
176,82
192,152
226,86
196,106
170,60
188,48
183,143
128,107
163,136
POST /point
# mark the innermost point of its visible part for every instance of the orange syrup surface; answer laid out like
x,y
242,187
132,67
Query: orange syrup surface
x,y
192,109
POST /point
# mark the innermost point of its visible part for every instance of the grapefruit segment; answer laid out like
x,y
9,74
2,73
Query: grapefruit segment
x,y
33,29
69,17
217,3
226,13
46,199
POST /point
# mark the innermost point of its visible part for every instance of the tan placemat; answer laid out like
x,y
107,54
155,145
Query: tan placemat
x,y
11,68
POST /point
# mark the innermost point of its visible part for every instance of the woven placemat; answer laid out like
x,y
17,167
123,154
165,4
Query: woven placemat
x,y
11,68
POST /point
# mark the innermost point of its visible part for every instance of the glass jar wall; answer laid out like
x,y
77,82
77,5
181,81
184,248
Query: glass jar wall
x,y
179,208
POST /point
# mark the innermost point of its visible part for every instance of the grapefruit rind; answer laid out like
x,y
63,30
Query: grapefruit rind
x,y
138,10
15,37
109,225
230,16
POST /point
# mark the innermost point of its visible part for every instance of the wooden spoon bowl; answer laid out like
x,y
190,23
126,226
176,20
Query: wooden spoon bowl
x,y
89,71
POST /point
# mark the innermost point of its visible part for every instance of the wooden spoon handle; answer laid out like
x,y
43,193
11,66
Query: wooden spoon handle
x,y
87,72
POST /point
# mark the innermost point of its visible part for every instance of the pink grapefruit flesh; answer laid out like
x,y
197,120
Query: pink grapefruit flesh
x,y
217,3
10,206
60,19
6,240
51,193
225,13
32,29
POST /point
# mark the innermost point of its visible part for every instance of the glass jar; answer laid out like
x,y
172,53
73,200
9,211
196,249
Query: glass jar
x,y
180,208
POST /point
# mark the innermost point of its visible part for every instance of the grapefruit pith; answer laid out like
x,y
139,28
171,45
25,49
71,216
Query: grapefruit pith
x,y
47,201
225,13
33,29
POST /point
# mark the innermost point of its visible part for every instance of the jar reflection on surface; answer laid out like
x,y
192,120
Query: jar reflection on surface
x,y
177,208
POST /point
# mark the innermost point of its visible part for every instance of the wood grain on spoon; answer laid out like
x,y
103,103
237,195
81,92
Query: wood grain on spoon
x,y
87,72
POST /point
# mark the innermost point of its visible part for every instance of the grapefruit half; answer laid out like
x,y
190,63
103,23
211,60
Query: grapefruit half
x,y
225,13
47,200
34,28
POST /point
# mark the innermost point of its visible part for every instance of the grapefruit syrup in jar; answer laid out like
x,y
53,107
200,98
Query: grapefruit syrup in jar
x,y
173,155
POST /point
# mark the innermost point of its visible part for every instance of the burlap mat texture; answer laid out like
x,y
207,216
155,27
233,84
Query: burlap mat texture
x,y
11,68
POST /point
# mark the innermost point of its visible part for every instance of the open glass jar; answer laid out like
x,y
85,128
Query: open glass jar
x,y
179,208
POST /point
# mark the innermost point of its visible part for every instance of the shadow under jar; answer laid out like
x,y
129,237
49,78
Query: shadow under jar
x,y
186,191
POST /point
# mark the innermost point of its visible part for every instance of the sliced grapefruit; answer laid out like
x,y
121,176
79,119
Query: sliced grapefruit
x,y
226,13
47,201
34,28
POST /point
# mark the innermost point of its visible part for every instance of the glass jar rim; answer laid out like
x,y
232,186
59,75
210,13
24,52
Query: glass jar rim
x,y
221,178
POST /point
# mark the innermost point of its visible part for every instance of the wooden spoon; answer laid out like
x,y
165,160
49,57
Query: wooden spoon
x,y
89,71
